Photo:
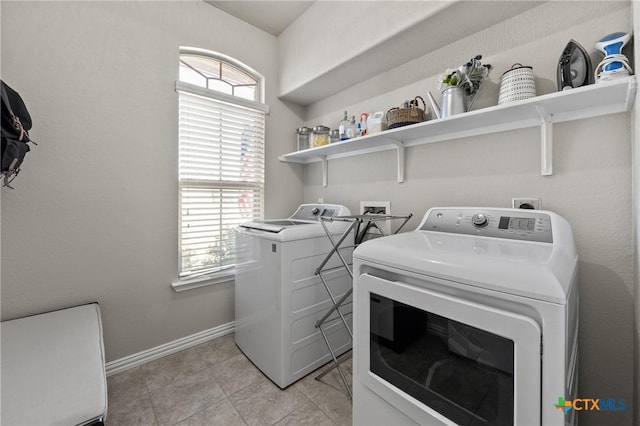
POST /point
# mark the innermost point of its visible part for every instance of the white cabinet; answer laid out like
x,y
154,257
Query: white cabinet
x,y
590,101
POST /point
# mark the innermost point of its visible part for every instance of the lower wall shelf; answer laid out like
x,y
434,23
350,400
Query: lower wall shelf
x,y
590,101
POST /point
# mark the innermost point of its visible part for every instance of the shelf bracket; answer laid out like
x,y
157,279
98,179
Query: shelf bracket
x,y
400,157
546,142
325,171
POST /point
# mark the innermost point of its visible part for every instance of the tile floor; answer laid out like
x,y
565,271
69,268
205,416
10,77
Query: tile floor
x,y
215,384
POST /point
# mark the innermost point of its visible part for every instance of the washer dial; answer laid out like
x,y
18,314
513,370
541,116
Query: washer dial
x,y
480,220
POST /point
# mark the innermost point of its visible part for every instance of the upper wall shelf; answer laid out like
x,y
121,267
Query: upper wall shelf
x,y
590,101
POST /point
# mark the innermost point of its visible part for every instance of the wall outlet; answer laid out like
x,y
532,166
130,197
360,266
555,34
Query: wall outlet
x,y
380,208
526,203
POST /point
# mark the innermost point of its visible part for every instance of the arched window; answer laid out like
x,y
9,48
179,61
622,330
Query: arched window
x,y
221,164
221,74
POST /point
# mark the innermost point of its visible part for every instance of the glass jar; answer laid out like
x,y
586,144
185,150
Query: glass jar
x,y
334,136
319,136
352,128
342,129
302,137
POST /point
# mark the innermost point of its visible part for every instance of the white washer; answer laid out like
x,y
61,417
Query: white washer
x,y
470,319
278,297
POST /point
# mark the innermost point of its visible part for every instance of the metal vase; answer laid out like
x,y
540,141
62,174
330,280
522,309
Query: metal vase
x,y
453,101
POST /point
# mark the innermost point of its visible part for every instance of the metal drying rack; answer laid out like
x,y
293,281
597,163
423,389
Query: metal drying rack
x,y
360,225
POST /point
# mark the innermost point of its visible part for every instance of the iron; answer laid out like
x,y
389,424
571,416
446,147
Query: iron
x,y
574,67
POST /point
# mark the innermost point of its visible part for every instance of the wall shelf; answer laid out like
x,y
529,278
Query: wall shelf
x,y
590,101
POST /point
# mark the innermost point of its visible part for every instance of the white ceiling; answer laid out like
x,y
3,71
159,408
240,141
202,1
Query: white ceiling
x,y
270,16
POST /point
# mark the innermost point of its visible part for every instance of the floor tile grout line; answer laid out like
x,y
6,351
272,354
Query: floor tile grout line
x,y
195,373
238,411
145,395
227,396
153,406
204,409
323,412
293,409
250,384
341,391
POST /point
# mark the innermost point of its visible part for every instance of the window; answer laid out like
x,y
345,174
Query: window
x,y
221,157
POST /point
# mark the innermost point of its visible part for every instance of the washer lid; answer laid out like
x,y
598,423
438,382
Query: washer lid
x,y
293,228
306,214
529,269
276,225
300,231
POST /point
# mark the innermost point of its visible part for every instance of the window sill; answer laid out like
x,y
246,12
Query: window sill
x,y
213,279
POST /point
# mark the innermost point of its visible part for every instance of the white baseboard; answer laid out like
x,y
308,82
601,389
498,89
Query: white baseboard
x,y
140,358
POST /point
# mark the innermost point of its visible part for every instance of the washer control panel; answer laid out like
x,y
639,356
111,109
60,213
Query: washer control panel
x,y
314,211
513,224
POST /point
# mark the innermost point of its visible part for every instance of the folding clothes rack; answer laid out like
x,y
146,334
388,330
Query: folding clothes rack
x,y
360,226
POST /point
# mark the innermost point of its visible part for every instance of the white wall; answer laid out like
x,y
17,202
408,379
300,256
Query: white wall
x,y
333,44
591,185
635,185
94,213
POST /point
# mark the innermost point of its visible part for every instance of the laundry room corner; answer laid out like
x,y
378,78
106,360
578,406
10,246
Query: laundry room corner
x,y
591,178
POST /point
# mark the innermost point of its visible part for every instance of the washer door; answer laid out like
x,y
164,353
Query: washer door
x,y
444,360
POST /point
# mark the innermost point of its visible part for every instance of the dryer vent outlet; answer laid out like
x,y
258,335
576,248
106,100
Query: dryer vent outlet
x,y
374,210
526,203
379,208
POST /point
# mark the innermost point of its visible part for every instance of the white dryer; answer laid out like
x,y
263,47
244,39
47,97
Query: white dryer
x,y
278,296
470,319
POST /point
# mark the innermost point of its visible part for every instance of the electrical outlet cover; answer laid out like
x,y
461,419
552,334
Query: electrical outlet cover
x,y
528,202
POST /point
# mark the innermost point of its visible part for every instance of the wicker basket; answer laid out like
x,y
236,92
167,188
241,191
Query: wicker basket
x,y
398,117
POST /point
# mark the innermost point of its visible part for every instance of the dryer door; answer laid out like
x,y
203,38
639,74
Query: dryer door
x,y
444,360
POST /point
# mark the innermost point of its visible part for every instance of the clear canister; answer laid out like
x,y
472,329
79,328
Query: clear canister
x,y
319,136
334,136
302,137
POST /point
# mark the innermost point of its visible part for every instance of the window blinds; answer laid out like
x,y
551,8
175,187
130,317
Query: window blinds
x,y
221,172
